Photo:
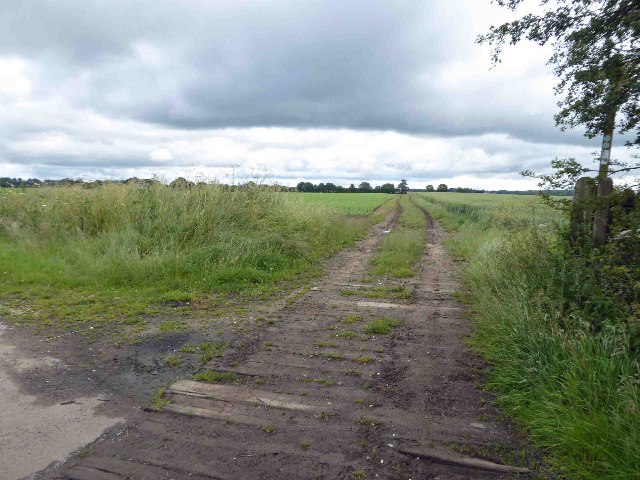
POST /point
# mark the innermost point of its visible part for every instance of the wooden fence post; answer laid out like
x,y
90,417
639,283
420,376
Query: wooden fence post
x,y
582,208
601,217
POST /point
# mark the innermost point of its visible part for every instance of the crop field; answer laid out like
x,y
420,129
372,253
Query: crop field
x,y
566,368
119,253
345,203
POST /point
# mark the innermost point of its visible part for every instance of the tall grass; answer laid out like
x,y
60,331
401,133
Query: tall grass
x,y
159,240
575,389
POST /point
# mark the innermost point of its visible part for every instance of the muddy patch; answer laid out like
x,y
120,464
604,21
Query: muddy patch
x,y
32,434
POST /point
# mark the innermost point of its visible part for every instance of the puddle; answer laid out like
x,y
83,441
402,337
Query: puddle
x,y
32,436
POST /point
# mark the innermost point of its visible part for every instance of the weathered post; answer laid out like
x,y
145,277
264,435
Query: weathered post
x,y
582,208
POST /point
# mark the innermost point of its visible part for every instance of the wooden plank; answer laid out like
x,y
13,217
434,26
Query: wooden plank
x,y
234,394
436,456
80,472
227,415
144,471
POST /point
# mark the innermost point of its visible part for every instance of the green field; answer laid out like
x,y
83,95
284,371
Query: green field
x,y
564,360
346,203
119,253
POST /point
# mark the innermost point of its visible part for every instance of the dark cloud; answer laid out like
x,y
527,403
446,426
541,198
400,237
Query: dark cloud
x,y
198,64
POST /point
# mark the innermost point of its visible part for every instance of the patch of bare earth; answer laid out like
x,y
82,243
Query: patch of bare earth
x,y
315,396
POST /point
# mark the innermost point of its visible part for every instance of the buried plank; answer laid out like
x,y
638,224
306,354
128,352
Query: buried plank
x,y
227,393
113,468
222,414
80,472
436,456
380,305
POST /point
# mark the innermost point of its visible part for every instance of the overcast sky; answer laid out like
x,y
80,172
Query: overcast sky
x,y
318,90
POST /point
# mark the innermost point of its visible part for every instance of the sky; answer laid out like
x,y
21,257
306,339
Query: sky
x,y
340,91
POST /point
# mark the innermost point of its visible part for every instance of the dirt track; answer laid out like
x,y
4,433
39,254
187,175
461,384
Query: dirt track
x,y
315,402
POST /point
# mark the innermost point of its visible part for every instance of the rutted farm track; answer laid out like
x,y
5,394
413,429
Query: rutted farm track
x,y
317,397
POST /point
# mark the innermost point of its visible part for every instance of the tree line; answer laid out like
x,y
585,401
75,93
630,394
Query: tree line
x,y
363,187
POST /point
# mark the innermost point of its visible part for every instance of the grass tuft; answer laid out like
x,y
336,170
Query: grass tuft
x,y
211,376
381,326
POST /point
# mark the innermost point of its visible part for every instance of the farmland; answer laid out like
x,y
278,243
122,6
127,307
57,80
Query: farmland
x,y
345,203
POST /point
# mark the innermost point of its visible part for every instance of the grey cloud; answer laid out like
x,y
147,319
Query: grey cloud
x,y
317,63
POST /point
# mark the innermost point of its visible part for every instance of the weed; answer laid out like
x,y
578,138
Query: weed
x,y
268,429
158,401
171,326
381,326
334,356
368,422
351,319
346,334
211,376
323,381
173,360
209,350
305,444
188,349
359,474
364,360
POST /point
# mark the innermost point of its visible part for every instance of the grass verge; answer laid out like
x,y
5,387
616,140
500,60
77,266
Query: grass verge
x,y
575,389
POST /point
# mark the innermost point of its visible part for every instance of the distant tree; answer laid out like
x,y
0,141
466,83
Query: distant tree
x,y
442,188
352,188
365,187
180,183
387,188
403,188
430,188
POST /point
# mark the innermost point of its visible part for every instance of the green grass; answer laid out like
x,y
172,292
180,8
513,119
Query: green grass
x,y
158,401
576,390
402,248
76,257
209,350
211,376
381,326
172,360
345,203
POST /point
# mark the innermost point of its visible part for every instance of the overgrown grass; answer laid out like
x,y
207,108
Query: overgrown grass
x,y
402,248
107,254
576,389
